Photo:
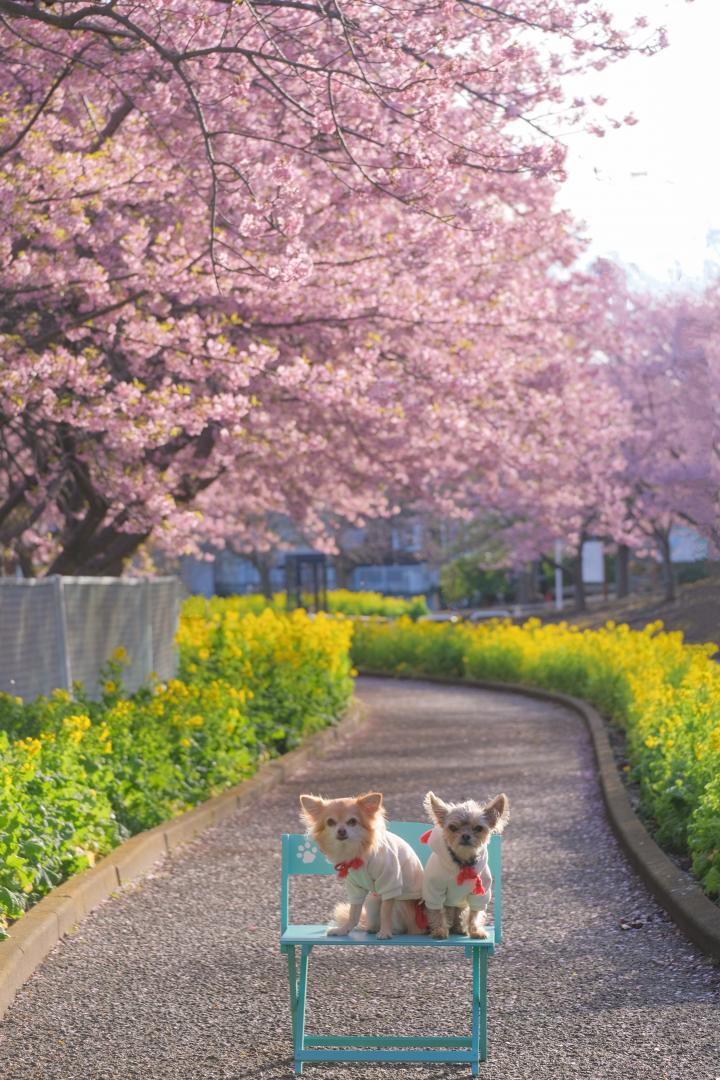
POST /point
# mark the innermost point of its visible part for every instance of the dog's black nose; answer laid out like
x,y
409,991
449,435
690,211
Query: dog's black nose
x,y
342,834
466,839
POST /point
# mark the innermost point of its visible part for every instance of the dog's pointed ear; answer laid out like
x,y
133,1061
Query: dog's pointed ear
x,y
311,807
435,808
370,803
498,813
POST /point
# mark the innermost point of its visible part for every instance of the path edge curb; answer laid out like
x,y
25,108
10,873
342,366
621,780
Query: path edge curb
x,y
688,906
48,921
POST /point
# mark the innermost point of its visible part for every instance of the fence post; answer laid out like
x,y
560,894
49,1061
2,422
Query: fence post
x,y
65,669
146,651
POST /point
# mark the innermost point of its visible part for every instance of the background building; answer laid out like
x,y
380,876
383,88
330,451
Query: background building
x,y
391,557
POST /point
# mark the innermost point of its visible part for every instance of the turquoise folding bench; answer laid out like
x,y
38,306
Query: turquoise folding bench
x,y
301,856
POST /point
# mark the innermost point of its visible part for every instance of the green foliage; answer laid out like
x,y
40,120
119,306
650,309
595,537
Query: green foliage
x,y
406,647
704,837
340,602
465,581
688,573
346,602
78,776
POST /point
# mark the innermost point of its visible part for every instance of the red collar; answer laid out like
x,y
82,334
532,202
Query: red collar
x,y
469,873
343,867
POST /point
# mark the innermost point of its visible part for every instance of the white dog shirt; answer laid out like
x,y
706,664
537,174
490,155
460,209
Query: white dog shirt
x,y
392,870
446,884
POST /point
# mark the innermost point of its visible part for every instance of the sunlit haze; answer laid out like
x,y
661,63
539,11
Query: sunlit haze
x,y
649,193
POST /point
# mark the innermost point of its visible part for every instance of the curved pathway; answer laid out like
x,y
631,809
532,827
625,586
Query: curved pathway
x,y
180,976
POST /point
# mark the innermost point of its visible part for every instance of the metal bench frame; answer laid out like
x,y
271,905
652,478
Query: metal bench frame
x,y
301,857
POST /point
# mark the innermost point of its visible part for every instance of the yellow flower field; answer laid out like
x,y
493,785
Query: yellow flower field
x,y
79,776
664,693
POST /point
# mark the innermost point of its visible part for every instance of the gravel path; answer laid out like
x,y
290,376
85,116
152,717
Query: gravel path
x,y
181,977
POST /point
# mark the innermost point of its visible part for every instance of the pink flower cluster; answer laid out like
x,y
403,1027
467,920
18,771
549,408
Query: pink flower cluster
x,y
278,258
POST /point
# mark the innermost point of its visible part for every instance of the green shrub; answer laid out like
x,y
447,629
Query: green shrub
x,y
339,602
79,776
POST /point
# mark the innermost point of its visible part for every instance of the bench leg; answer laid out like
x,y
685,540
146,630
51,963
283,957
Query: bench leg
x,y
475,1031
292,980
299,1025
479,1009
482,1002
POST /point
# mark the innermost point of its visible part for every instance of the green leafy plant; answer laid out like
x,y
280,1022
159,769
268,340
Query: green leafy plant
x,y
79,776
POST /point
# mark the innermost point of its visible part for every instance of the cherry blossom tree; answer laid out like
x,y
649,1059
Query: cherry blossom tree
x,y
637,449
662,365
275,256
575,487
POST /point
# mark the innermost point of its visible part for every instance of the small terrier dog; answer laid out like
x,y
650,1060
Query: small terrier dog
x,y
380,870
457,876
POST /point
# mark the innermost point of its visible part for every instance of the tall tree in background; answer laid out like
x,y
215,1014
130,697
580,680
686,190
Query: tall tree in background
x,y
271,257
637,442
662,368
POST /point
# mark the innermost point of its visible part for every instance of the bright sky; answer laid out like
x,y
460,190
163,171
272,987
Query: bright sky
x,y
650,193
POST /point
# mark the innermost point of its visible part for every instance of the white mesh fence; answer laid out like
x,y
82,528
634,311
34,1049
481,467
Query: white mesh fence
x,y
56,630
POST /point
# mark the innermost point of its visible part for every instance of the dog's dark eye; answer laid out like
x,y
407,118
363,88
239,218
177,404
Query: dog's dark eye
x,y
453,828
331,822
352,821
477,828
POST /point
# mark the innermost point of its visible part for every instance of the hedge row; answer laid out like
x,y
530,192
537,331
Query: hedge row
x,y
664,694
339,602
77,777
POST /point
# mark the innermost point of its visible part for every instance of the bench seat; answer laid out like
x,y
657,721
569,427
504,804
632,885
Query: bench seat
x,y
316,934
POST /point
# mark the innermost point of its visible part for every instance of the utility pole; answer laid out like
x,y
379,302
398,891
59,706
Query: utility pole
x,y
558,576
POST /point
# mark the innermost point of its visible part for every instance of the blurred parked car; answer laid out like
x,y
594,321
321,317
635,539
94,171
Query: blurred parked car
x,y
441,616
488,613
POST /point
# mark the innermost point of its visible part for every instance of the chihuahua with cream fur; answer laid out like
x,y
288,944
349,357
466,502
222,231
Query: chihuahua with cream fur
x,y
457,876
379,870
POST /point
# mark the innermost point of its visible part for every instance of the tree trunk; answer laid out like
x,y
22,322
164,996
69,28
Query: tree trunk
x,y
343,571
25,561
622,571
103,555
667,567
263,563
578,583
534,576
263,568
524,583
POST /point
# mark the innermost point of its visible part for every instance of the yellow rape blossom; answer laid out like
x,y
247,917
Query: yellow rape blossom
x,y
76,726
662,691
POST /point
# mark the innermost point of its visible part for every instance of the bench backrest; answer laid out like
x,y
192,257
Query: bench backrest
x,y
301,856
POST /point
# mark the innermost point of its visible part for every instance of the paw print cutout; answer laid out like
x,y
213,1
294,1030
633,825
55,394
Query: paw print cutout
x,y
307,851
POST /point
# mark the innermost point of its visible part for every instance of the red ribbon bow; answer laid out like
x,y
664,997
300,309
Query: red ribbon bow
x,y
468,873
421,918
343,867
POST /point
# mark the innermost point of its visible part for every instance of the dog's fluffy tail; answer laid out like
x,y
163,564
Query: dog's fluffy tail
x,y
341,913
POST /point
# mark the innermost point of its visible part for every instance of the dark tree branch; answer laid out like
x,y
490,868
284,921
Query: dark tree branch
x,y
116,118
